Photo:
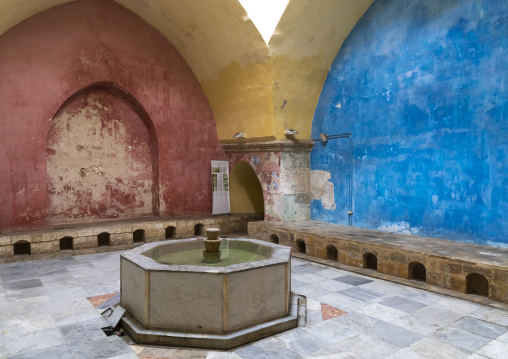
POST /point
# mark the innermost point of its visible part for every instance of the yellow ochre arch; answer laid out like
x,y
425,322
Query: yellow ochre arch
x,y
246,194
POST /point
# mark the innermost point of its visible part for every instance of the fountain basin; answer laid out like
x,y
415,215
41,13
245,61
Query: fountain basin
x,y
204,301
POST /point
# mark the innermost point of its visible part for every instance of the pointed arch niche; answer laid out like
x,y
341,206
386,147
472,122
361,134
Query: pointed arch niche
x,y
246,194
102,157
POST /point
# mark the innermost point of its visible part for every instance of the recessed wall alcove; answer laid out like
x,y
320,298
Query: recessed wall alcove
x,y
102,157
245,190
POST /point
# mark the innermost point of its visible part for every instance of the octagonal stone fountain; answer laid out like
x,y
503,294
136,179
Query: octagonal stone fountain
x,y
174,297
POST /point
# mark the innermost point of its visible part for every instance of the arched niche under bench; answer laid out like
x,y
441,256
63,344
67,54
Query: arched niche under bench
x,y
170,232
199,229
417,271
138,236
22,248
301,247
66,243
477,284
332,253
104,239
370,261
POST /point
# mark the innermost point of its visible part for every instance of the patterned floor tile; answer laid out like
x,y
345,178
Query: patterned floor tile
x,y
503,338
491,315
331,273
382,312
360,346
421,296
480,327
495,350
394,334
306,268
433,348
458,306
311,291
415,324
332,331
399,303
308,278
45,338
357,321
296,283
437,316
302,342
54,352
329,312
98,300
333,286
404,354
353,280
22,284
361,294
64,324
349,304
461,339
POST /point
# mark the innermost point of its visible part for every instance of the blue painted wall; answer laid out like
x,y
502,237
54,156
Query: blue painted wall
x,y
422,85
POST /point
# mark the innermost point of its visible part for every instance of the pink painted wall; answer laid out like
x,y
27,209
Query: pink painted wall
x,y
53,55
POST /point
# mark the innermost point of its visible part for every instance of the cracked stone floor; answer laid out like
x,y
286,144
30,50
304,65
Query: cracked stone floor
x,y
45,312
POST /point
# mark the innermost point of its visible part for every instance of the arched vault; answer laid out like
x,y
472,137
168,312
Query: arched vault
x,y
252,86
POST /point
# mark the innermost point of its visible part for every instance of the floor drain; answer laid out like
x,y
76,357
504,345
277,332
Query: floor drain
x,y
109,331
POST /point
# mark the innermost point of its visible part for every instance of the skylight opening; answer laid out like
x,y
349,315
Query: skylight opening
x,y
265,14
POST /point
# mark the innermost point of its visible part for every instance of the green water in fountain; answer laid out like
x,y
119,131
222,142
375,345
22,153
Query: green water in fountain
x,y
195,257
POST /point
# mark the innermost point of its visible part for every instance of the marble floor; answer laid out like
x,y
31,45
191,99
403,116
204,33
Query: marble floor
x,y
45,312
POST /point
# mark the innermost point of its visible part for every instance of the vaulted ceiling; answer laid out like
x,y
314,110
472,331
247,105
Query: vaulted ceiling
x,y
252,86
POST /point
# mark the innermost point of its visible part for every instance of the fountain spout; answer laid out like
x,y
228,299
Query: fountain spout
x,y
211,254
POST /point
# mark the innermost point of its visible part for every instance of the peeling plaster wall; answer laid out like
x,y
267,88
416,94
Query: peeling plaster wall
x,y
285,181
295,186
99,161
322,189
51,56
421,85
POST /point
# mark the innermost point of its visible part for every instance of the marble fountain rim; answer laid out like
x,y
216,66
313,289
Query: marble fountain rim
x,y
280,254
